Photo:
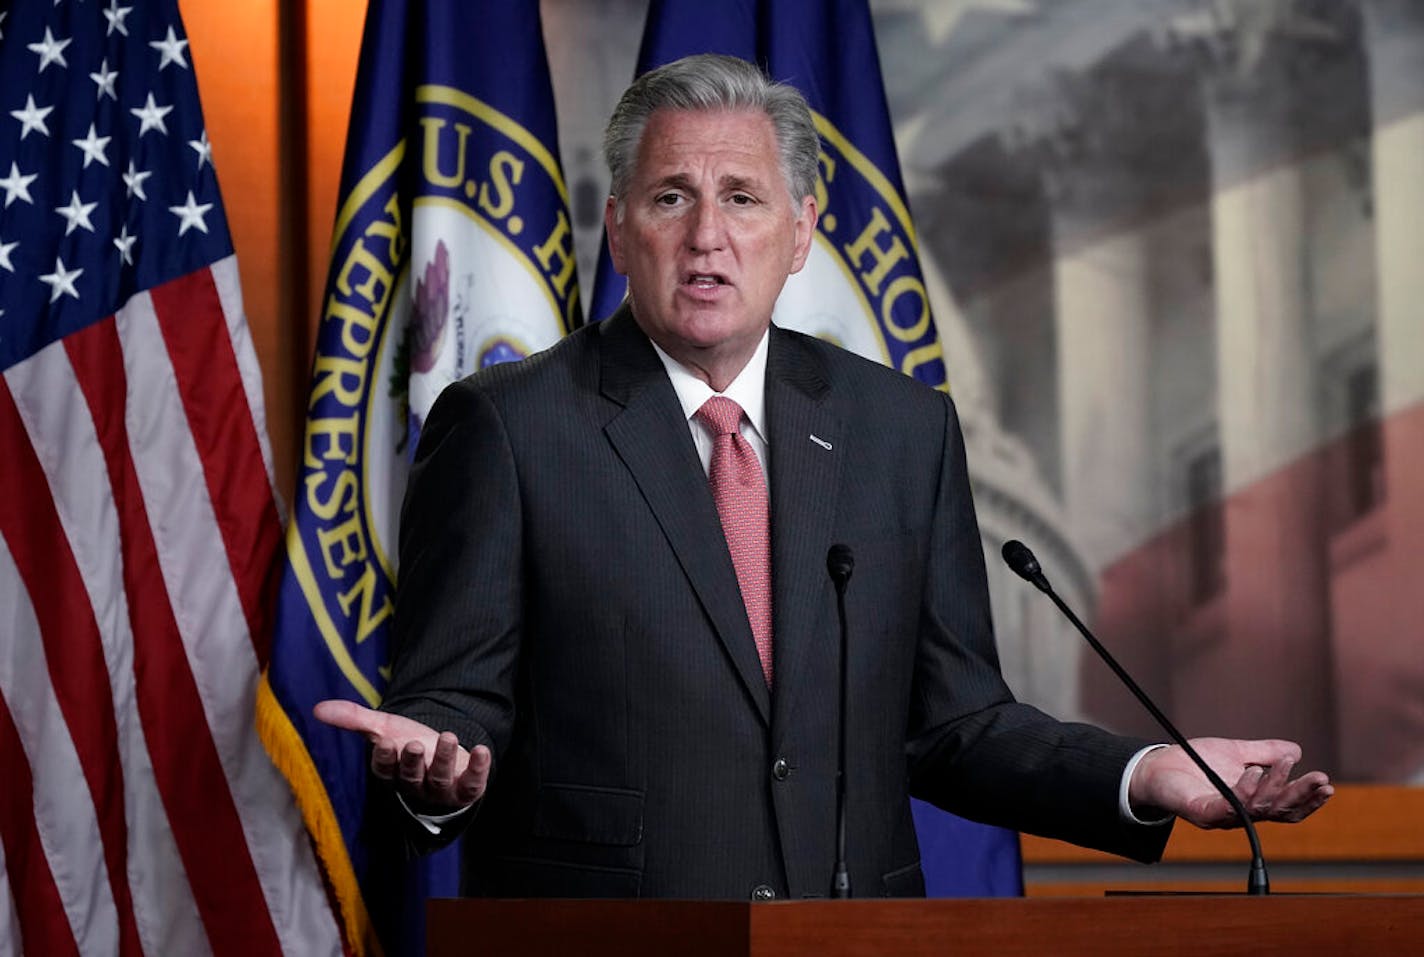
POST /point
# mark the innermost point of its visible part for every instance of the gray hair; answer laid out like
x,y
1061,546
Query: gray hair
x,y
706,82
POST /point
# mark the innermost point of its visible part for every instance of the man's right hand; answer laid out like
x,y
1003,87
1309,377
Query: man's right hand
x,y
429,769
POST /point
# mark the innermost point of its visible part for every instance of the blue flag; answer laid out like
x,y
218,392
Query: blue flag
x,y
452,250
861,287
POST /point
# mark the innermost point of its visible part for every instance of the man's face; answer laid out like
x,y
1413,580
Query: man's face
x,y
708,235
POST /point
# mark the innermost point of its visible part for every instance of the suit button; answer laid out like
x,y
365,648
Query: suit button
x,y
780,769
763,893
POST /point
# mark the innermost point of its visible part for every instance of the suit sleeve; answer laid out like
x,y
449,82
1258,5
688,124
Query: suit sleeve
x,y
458,603
973,749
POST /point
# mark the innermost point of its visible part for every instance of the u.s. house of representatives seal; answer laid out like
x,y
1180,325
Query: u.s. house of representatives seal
x,y
454,251
861,286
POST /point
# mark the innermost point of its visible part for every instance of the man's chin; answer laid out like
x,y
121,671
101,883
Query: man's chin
x,y
719,333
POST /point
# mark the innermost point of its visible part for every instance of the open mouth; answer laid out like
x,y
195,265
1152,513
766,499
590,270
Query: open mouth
x,y
704,280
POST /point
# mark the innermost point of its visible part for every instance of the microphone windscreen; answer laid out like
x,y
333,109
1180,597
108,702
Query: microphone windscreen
x,y
1018,557
840,562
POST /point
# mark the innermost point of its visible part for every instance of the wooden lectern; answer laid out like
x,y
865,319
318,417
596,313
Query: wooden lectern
x,y
1194,925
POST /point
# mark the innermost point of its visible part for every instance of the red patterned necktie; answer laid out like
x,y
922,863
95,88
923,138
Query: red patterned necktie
x,y
740,493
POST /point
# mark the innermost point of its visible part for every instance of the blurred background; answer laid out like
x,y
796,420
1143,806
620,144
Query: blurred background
x,y
1173,249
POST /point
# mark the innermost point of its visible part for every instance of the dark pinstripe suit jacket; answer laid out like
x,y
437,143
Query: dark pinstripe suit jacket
x,y
567,598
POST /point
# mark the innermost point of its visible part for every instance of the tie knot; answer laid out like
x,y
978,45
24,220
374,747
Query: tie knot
x,y
722,415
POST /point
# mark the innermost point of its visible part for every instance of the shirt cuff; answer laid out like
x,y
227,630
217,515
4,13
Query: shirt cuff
x,y
435,823
1124,805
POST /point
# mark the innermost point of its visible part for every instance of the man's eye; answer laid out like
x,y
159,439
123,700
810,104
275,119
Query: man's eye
x,y
668,199
742,199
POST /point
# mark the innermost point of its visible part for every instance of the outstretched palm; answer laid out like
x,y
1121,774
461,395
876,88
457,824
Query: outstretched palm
x,y
1258,771
429,768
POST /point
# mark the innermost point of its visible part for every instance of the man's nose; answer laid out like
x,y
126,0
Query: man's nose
x,y
708,228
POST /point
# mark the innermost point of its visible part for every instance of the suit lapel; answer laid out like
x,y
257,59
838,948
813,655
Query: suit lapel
x,y
651,436
805,478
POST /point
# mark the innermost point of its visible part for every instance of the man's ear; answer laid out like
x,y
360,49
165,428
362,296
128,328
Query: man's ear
x,y
805,233
614,230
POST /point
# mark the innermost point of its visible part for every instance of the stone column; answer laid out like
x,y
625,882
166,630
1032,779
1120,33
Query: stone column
x,y
1086,138
1395,50
1382,671
1265,355
1103,327
1269,672
1102,312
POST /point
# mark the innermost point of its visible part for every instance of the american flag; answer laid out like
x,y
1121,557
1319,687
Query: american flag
x,y
138,521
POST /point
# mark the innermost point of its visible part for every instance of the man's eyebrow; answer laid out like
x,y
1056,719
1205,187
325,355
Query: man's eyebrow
x,y
675,181
748,183
731,181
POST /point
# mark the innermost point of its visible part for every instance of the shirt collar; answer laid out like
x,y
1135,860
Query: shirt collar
x,y
748,389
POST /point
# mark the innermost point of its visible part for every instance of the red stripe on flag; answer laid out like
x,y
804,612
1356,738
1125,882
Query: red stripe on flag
x,y
44,928
195,329
77,669
191,780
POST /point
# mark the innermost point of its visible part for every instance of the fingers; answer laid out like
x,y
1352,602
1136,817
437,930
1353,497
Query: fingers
x,y
1260,787
1296,800
411,771
385,757
1249,783
450,778
1270,795
1319,792
1247,789
441,774
1273,786
1266,791
1267,752
470,786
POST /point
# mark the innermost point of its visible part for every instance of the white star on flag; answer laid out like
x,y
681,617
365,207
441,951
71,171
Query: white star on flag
x,y
76,213
151,116
115,15
133,182
172,49
203,148
125,242
5,255
93,147
191,213
3,15
32,117
50,50
61,283
17,184
105,79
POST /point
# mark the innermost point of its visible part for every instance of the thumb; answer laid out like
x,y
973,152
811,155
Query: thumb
x,y
1268,753
349,716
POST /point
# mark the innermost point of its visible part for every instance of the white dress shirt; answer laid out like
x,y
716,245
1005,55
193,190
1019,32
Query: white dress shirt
x,y
748,390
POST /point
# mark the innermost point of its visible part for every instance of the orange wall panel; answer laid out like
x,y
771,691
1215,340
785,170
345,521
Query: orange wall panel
x,y
234,47
237,51
333,46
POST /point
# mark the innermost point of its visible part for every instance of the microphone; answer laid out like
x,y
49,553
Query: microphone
x,y
1019,558
840,562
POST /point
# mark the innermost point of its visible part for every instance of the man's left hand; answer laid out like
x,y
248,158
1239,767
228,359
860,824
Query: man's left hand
x,y
1258,771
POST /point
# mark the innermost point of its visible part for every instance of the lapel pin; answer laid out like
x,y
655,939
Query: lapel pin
x,y
820,441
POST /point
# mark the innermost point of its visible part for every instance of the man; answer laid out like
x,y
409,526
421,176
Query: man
x,y
641,689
